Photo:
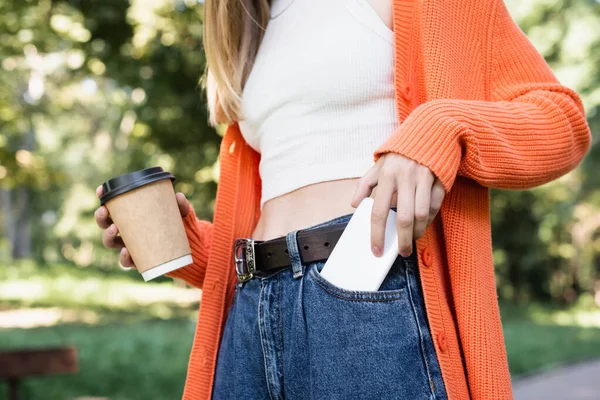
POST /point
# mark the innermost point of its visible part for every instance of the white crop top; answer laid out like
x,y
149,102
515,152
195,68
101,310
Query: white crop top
x,y
320,96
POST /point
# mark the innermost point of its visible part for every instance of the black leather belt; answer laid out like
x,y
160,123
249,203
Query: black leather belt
x,y
260,257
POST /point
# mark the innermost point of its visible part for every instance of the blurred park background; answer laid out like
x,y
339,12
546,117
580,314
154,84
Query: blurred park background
x,y
90,89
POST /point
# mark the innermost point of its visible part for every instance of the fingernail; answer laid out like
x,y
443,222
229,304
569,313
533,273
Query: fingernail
x,y
376,251
101,212
112,229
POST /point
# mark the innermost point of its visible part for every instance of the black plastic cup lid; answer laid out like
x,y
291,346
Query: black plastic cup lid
x,y
124,183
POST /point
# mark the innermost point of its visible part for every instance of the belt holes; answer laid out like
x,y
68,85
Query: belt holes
x,y
305,247
326,244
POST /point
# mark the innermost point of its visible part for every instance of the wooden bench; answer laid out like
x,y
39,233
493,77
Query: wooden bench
x,y
16,365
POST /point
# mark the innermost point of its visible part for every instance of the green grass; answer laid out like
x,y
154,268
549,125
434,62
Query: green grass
x,y
103,297
133,337
142,360
539,337
534,347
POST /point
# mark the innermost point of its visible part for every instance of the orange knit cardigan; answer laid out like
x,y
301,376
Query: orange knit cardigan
x,y
481,108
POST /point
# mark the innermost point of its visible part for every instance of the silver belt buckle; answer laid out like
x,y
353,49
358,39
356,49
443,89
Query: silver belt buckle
x,y
243,253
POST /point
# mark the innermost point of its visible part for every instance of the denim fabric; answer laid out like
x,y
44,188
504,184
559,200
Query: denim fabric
x,y
294,335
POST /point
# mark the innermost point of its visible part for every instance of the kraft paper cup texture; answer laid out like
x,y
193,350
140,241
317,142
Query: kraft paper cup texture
x,y
151,226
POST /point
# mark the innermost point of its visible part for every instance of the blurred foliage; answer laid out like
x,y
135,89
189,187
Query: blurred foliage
x,y
90,89
60,293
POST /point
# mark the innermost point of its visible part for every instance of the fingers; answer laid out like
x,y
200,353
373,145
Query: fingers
x,y
182,203
437,197
101,215
365,185
386,187
102,218
415,190
110,238
125,258
422,203
405,214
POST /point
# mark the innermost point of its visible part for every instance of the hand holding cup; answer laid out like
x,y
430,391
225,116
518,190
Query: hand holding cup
x,y
142,216
110,236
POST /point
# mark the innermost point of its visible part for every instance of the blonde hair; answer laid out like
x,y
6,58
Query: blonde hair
x,y
233,31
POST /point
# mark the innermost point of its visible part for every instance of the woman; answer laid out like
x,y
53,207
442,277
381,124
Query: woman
x,y
423,106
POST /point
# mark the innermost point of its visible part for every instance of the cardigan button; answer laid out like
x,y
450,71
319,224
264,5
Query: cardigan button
x,y
426,257
202,356
441,342
406,92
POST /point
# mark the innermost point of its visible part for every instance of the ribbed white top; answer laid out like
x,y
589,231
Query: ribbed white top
x,y
320,97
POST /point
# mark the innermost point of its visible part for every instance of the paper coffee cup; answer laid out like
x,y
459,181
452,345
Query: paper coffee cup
x,y
143,206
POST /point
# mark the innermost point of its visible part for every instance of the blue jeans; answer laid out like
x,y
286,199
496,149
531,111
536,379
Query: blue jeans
x,y
293,335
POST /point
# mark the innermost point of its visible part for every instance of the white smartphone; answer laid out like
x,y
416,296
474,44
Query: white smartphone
x,y
351,264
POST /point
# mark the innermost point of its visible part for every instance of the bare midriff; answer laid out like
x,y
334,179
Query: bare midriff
x,y
319,202
304,207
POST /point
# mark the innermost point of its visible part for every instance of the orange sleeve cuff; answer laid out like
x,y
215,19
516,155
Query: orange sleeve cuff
x,y
199,233
429,138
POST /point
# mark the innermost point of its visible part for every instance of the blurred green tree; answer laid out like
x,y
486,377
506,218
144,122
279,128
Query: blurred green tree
x,y
92,90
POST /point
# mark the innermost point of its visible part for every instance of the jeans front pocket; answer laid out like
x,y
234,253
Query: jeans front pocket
x,y
392,288
363,344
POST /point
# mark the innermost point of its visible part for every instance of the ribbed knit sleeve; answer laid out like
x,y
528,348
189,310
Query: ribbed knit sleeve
x,y
199,233
532,131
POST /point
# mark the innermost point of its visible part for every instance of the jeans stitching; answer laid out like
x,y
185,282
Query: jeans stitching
x,y
279,301
263,339
271,275
275,381
421,337
385,296
437,390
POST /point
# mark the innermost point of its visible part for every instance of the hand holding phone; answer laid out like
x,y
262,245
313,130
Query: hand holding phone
x,y
351,264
